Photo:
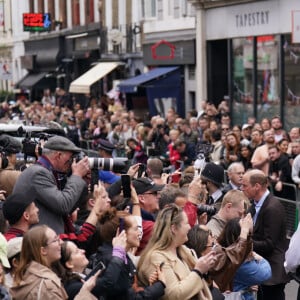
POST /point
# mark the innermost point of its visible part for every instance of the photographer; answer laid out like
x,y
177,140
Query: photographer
x,y
8,174
55,194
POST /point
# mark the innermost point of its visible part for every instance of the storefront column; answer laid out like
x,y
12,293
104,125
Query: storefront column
x,y
201,57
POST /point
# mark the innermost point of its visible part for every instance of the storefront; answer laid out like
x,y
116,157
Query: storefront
x,y
42,60
254,60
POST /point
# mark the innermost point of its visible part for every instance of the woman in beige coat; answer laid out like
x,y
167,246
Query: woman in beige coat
x,y
184,273
34,278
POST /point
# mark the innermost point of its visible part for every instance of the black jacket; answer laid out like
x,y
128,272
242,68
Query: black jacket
x,y
117,284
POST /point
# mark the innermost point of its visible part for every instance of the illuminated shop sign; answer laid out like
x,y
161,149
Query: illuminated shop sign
x,y
36,22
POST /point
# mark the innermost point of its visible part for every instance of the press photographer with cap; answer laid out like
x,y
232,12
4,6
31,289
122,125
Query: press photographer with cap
x,y
8,174
56,194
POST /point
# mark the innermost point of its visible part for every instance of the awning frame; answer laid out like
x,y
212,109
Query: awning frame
x,y
131,85
82,84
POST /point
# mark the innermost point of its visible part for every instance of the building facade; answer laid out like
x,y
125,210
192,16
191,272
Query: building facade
x,y
252,54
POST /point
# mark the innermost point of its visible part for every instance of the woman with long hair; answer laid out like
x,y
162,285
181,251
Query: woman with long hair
x,y
184,272
229,258
253,271
73,263
34,278
232,149
123,284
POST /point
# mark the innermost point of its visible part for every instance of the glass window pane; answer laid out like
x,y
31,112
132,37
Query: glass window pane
x,y
292,84
268,77
242,80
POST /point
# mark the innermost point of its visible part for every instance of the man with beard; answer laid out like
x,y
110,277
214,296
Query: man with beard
x,y
279,133
260,158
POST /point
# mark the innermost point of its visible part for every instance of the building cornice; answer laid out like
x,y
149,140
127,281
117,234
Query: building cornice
x,y
206,4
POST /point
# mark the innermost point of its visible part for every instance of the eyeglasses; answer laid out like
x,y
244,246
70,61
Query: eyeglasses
x,y
225,128
55,240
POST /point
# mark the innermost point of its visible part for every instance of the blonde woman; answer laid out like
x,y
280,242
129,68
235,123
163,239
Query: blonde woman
x,y
184,272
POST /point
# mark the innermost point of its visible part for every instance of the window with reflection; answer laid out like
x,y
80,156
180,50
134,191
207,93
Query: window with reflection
x,y
242,80
267,89
292,83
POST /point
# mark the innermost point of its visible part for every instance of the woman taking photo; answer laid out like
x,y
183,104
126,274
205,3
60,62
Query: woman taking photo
x,y
184,272
123,284
34,278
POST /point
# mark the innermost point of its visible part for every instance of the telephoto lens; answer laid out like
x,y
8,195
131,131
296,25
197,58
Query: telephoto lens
x,y
116,164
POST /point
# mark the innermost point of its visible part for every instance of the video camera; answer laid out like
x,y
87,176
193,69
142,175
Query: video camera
x,y
30,142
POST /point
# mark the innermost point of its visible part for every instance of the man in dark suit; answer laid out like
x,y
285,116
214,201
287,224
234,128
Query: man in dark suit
x,y
269,233
235,174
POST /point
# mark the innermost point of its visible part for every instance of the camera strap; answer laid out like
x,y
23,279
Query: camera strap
x,y
44,162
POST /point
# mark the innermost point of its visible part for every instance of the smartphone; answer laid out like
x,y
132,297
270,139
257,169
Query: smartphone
x,y
126,186
161,265
142,169
100,266
121,225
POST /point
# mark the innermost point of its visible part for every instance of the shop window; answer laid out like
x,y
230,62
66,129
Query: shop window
x,y
292,83
268,93
267,75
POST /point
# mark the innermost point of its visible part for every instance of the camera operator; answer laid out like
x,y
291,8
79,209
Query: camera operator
x,y
8,172
48,183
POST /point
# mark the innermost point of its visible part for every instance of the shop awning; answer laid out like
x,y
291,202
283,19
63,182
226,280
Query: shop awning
x,y
31,79
131,85
82,84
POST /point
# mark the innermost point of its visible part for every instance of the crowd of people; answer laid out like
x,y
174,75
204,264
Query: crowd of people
x,y
201,218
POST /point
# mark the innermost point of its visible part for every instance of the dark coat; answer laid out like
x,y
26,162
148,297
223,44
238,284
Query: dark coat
x,y
118,284
269,238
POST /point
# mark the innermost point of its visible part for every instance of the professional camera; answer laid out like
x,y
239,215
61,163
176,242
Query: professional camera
x,y
203,208
116,164
29,144
203,152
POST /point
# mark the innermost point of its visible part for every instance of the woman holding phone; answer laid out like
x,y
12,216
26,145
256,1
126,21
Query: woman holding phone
x,y
123,284
184,272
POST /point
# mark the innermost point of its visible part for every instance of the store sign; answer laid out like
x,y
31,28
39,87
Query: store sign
x,y
167,53
252,19
296,26
36,22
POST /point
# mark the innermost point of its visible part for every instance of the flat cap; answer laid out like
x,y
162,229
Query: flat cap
x,y
10,144
14,207
106,145
61,143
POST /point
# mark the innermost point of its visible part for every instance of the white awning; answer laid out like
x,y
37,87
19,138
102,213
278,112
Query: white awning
x,y
82,84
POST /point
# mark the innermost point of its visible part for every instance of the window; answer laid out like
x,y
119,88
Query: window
x,y
148,9
268,101
292,83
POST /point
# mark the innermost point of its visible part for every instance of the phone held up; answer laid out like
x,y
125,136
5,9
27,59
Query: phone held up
x,y
126,186
100,266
